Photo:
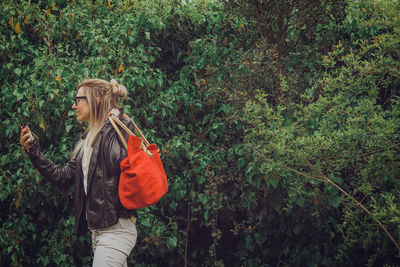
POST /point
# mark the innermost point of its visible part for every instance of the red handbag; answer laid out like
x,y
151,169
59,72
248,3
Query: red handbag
x,y
143,180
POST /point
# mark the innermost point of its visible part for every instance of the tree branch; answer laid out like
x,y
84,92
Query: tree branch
x,y
327,180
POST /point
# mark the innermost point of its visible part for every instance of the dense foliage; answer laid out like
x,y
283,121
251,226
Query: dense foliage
x,y
278,123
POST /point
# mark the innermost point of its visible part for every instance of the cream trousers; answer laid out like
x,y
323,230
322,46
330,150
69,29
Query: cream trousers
x,y
112,245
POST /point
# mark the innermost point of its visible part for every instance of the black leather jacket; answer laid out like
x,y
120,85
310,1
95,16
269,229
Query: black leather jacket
x,y
101,205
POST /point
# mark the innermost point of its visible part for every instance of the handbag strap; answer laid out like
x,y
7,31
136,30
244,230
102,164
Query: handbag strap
x,y
123,126
119,132
113,119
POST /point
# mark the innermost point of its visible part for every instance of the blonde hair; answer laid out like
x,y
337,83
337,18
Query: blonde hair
x,y
102,96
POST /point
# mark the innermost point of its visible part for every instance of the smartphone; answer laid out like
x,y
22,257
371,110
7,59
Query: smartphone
x,y
21,121
23,124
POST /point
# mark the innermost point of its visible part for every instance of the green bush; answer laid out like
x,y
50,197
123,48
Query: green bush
x,y
346,131
247,128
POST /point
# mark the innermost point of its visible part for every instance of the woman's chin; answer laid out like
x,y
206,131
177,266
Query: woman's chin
x,y
80,119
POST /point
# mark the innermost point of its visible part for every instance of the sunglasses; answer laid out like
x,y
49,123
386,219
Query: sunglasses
x,y
78,98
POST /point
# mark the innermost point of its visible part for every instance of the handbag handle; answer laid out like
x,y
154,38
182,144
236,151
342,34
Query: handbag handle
x,y
113,119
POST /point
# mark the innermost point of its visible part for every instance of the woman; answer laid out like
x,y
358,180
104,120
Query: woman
x,y
94,168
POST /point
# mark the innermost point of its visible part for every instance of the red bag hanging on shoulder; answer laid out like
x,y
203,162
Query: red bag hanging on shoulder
x,y
143,180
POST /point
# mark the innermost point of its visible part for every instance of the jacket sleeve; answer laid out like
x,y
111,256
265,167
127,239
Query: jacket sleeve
x,y
59,176
115,150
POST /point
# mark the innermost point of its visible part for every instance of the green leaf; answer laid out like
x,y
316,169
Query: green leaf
x,y
203,198
273,181
172,241
18,71
335,200
206,216
201,179
335,179
189,154
249,243
241,163
192,195
226,108
68,128
159,82
186,146
146,222
300,201
213,136
173,205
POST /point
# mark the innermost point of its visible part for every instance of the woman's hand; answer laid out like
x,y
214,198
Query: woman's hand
x,y
26,137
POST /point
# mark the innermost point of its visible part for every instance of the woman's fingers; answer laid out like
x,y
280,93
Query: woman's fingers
x,y
23,131
26,136
26,140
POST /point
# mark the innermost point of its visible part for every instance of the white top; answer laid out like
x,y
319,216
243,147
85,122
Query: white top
x,y
85,164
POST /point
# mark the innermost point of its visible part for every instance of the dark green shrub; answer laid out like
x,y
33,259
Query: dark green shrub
x,y
233,115
347,132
